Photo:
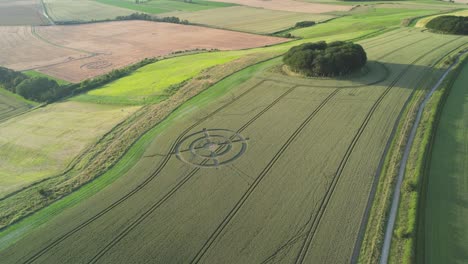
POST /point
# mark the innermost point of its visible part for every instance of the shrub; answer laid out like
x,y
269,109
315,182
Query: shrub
x,y
305,24
325,60
449,24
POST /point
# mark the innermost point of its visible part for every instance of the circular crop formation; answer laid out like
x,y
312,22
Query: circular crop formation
x,y
323,59
449,24
101,64
211,148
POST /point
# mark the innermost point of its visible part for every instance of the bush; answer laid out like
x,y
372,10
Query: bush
x,y
142,16
305,24
449,24
325,60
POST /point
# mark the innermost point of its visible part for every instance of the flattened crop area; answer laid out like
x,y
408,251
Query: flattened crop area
x,y
21,12
279,170
95,49
290,5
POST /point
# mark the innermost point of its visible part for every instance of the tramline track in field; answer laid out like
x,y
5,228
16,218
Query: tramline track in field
x,y
324,203
144,183
153,175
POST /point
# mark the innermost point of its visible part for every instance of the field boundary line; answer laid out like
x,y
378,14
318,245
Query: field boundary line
x,y
379,171
329,193
402,170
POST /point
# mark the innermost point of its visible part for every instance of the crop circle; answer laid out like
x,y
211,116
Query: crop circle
x,y
95,65
211,148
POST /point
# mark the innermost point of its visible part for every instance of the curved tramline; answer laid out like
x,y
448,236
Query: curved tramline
x,y
149,205
323,205
181,183
160,167
301,256
140,186
252,187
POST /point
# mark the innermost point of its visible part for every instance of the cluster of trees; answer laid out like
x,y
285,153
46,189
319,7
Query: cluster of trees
x,y
325,59
143,16
303,24
449,24
42,89
39,89
134,16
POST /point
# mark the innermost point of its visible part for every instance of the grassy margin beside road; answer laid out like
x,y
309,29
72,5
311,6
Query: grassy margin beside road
x,y
370,249
404,239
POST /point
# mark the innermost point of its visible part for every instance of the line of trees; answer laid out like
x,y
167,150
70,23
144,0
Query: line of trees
x,y
325,59
45,90
143,16
449,24
38,89
134,16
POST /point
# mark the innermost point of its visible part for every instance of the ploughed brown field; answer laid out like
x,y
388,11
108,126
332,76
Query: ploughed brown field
x,y
290,5
79,52
21,12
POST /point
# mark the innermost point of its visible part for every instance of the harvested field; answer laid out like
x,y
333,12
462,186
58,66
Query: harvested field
x,y
21,12
82,10
43,142
78,52
295,157
290,5
22,50
248,19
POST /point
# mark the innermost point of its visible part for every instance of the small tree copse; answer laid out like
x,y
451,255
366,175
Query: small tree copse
x,y
303,24
323,59
449,24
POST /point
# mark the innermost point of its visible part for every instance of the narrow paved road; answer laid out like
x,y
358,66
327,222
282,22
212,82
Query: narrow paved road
x,y
401,172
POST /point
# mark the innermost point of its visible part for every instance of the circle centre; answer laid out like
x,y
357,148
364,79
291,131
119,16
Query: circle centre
x,y
211,146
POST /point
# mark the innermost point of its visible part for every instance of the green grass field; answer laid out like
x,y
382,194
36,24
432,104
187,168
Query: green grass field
x,y
164,6
372,19
43,142
278,201
150,84
445,213
249,19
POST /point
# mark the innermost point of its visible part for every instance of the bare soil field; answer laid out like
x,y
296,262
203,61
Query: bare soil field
x,y
79,52
22,50
290,5
21,12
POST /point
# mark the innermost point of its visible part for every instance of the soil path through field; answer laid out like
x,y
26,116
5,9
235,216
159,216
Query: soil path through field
x,y
403,163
